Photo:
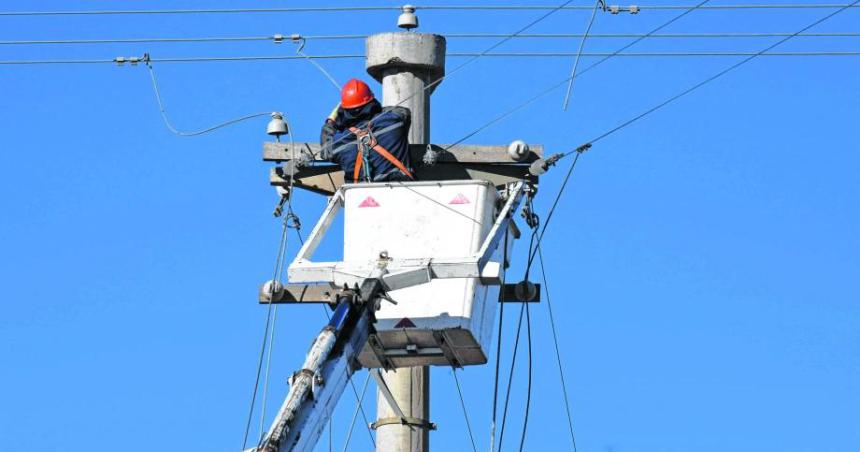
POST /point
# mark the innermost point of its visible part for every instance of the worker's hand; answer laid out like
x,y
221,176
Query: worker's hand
x,y
326,137
328,129
333,115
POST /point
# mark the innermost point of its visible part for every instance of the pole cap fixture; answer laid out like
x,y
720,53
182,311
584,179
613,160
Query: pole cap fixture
x,y
277,126
407,20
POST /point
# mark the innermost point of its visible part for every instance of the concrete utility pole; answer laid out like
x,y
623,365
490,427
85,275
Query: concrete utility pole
x,y
406,64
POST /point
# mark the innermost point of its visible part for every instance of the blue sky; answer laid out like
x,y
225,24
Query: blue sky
x,y
703,262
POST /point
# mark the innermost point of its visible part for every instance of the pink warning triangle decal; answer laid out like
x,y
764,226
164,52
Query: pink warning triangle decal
x,y
459,199
369,202
405,323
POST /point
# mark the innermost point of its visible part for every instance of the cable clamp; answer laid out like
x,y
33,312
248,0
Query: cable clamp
x,y
583,148
406,420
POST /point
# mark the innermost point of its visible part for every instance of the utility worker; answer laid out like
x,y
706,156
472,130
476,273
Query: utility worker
x,y
369,142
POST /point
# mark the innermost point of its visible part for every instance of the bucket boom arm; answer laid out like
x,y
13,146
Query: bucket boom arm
x,y
329,364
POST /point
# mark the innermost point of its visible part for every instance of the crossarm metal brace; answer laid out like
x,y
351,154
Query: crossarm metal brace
x,y
386,393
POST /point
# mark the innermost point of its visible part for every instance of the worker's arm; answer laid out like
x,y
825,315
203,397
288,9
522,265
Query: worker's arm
x,y
327,134
403,112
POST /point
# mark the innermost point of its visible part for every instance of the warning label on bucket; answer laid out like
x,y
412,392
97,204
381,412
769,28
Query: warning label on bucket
x,y
369,202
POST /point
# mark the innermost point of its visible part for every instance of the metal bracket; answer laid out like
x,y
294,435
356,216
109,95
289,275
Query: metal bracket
x,y
400,419
386,393
379,352
410,421
447,351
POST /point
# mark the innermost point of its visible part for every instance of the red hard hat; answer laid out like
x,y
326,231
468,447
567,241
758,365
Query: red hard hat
x,y
355,93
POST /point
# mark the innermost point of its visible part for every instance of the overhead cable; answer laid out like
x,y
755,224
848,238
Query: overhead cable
x,y
347,9
498,352
463,406
715,76
279,264
557,351
276,38
597,4
198,132
456,55
511,378
265,395
489,49
529,384
310,59
555,86
358,408
578,151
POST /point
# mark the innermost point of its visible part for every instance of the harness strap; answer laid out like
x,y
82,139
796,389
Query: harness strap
x,y
374,144
358,161
391,158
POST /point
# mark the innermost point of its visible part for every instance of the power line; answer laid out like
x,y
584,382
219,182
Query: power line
x,y
498,352
265,395
136,40
555,86
511,377
198,132
658,54
639,35
557,351
359,407
463,406
578,151
340,9
713,77
529,386
279,263
597,4
279,38
127,12
641,7
453,55
489,49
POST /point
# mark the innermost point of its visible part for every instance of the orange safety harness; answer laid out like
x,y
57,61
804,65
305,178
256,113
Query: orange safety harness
x,y
366,140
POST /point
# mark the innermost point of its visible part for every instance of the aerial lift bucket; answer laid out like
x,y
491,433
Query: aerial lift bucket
x,y
439,247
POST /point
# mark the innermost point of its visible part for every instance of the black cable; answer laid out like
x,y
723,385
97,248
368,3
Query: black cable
x,y
275,38
394,8
603,55
597,4
552,211
463,406
714,77
510,379
578,151
557,351
555,86
278,265
499,344
516,347
529,389
486,51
